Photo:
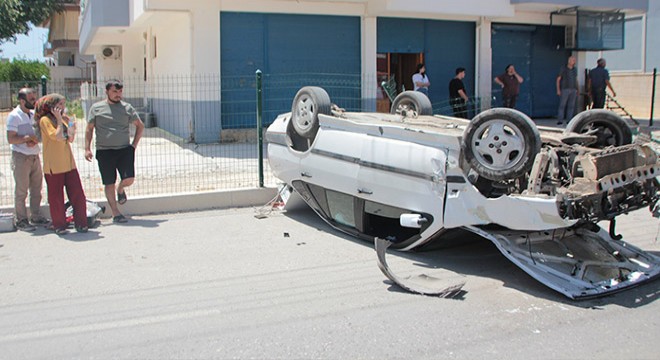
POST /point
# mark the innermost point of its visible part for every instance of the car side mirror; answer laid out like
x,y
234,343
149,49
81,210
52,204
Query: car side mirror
x,y
412,220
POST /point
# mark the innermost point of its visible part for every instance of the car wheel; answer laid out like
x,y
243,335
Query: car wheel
x,y
501,144
610,129
309,102
411,101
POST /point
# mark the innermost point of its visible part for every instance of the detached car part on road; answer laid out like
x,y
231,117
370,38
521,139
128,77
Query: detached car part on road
x,y
410,177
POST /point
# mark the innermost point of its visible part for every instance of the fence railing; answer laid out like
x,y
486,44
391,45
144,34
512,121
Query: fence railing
x,y
201,131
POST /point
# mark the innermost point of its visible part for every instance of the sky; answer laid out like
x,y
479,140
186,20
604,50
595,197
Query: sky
x,y
30,46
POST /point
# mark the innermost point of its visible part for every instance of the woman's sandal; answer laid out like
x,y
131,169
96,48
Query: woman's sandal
x,y
59,231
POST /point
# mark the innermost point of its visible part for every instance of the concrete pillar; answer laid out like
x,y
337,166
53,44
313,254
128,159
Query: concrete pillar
x,y
205,25
369,48
484,76
205,70
581,64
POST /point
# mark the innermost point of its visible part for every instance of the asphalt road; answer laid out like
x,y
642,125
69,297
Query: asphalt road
x,y
224,284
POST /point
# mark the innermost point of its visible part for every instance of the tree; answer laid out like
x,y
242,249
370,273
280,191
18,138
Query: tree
x,y
25,71
17,15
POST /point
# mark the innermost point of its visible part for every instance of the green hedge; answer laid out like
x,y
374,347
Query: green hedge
x,y
28,71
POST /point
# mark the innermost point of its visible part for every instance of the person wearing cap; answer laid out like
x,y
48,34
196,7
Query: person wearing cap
x,y
115,152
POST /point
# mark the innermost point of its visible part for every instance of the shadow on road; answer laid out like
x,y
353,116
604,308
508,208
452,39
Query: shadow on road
x,y
133,222
468,254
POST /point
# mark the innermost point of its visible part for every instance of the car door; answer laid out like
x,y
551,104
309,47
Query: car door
x,y
404,175
333,160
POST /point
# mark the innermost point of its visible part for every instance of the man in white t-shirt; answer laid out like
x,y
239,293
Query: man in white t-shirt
x,y
25,161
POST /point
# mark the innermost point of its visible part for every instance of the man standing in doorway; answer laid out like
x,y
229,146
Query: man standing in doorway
x,y
599,79
457,96
114,151
25,162
567,90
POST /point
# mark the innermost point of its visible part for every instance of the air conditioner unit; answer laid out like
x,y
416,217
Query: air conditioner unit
x,y
570,37
111,52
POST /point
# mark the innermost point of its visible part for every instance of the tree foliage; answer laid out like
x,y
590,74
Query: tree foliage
x,y
17,15
27,71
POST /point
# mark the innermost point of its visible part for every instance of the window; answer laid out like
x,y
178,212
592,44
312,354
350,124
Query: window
x,y
363,218
341,208
383,221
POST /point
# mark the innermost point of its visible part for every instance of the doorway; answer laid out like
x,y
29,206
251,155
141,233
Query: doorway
x,y
538,53
394,75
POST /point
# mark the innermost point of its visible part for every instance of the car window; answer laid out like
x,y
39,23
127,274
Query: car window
x,y
359,216
341,208
332,205
371,207
383,221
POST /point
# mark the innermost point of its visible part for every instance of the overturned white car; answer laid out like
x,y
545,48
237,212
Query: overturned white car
x,y
410,177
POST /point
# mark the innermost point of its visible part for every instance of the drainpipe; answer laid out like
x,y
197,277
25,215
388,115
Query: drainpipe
x,y
644,35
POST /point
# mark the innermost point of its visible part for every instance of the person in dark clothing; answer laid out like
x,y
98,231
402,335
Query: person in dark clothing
x,y
599,80
567,90
510,82
457,95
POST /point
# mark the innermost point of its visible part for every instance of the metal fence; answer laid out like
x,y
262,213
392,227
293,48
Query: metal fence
x,y
201,131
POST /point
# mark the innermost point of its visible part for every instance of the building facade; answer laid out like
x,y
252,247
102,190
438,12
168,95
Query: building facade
x,y
372,40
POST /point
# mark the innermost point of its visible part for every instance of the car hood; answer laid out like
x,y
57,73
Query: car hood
x,y
578,262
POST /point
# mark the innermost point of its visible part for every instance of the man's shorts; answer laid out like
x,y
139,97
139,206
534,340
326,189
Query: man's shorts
x,y
113,161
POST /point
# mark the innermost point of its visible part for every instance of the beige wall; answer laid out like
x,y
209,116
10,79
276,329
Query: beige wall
x,y
633,91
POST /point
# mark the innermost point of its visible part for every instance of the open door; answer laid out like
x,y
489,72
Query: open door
x,y
394,75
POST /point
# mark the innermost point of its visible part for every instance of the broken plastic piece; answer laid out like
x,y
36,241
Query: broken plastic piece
x,y
419,284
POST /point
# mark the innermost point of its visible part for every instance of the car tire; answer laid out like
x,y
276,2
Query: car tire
x,y
501,144
610,129
414,101
309,102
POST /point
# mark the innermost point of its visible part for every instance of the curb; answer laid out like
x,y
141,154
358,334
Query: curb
x,y
186,202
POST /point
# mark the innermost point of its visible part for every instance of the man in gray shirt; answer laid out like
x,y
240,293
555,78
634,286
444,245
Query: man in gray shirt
x,y
567,90
114,150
